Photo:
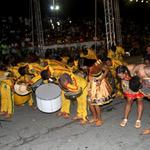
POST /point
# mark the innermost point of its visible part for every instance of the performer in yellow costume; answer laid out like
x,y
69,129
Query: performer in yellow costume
x,y
112,77
56,70
6,95
20,100
74,84
88,53
116,54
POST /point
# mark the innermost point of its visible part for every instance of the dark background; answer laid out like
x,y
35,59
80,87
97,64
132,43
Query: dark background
x,y
76,8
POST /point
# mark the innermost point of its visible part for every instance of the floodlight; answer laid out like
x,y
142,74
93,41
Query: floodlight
x,y
56,7
52,7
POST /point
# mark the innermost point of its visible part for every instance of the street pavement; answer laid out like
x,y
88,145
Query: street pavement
x,y
34,130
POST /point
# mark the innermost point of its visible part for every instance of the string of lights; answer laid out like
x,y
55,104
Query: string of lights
x,y
140,1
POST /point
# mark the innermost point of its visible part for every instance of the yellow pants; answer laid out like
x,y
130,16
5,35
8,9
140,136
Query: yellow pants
x,y
7,99
81,105
21,100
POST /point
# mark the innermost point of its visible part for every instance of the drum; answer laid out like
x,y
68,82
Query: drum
x,y
48,97
73,95
21,89
21,100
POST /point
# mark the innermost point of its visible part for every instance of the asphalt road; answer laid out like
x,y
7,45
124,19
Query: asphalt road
x,y
34,130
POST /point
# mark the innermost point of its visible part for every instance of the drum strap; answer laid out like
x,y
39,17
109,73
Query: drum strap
x,y
84,87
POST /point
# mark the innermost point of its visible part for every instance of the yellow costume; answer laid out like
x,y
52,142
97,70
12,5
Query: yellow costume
x,y
14,70
78,82
116,59
7,99
117,56
90,55
57,70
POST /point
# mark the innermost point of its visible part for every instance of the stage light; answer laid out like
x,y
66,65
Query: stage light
x,y
58,23
56,7
140,1
52,7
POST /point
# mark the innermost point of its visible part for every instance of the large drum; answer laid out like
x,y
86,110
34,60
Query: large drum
x,y
48,97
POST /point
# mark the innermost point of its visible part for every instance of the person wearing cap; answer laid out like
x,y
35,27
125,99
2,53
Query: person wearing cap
x,y
99,91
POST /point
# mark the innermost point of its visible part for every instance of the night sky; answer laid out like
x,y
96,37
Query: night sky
x,y
73,8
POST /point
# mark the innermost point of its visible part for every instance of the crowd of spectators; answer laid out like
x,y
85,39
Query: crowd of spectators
x,y
17,33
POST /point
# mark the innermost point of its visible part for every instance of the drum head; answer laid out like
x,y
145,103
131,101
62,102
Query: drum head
x,y
48,91
21,89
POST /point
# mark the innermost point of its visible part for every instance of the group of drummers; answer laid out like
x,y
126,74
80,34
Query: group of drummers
x,y
89,79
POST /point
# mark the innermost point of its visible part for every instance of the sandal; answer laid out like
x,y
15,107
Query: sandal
x,y
124,122
92,121
146,131
98,123
137,124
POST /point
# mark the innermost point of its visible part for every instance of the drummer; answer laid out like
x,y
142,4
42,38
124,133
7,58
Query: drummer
x,y
21,99
76,86
56,69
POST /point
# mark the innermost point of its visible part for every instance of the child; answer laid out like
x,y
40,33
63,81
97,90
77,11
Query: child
x,y
130,86
99,91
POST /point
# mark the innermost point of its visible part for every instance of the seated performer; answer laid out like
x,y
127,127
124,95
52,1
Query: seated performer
x,y
131,93
99,91
73,86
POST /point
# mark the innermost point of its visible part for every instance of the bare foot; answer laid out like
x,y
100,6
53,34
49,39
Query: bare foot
x,y
98,123
8,116
66,115
76,118
33,107
60,114
83,122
